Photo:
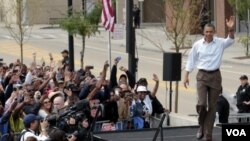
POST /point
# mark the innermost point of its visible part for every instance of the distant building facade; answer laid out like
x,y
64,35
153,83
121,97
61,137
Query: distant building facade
x,y
152,11
219,10
38,11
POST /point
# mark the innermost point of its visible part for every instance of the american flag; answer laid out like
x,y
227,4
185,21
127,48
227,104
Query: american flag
x,y
107,15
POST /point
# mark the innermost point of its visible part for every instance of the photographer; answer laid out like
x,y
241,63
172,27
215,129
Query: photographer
x,y
83,111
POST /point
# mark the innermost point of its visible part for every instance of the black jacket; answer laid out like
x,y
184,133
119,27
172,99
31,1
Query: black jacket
x,y
113,79
243,94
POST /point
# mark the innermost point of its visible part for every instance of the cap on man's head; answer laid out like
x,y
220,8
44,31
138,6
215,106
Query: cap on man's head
x,y
243,77
141,89
65,51
28,119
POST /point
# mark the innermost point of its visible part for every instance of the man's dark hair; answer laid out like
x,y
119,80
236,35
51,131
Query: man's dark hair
x,y
209,25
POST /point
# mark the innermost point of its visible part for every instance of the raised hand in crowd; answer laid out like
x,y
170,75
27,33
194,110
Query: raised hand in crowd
x,y
53,75
155,78
44,124
1,88
155,89
52,62
34,57
13,105
123,69
116,60
68,92
13,95
67,76
37,96
18,62
99,83
27,99
72,138
14,78
43,62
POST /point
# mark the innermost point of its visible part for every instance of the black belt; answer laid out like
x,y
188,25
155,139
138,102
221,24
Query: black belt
x,y
209,71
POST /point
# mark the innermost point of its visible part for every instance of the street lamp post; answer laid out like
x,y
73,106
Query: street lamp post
x,y
71,40
130,38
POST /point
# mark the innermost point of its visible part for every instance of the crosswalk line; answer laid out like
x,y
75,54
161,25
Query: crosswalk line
x,y
49,36
7,37
36,36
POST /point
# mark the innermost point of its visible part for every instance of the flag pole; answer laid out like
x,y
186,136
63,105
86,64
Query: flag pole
x,y
109,50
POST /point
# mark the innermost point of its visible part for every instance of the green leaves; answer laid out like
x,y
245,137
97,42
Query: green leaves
x,y
81,23
240,7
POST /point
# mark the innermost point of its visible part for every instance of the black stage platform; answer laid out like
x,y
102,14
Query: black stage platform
x,y
169,134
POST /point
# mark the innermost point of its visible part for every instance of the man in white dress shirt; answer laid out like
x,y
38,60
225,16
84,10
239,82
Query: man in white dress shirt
x,y
206,54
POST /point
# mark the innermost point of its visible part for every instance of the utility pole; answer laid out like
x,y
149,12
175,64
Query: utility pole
x,y
71,39
130,38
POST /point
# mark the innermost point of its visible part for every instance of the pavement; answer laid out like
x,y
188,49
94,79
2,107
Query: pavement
x,y
149,37
153,38
45,38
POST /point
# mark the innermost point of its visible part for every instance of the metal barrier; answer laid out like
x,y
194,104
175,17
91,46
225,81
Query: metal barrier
x,y
99,126
236,118
128,124
239,117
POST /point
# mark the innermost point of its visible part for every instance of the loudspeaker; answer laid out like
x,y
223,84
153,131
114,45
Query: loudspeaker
x,y
171,66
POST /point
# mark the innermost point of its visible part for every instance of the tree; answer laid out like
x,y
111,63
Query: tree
x,y
242,9
183,17
82,23
18,29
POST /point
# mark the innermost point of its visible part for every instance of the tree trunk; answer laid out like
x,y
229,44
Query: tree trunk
x,y
21,46
82,52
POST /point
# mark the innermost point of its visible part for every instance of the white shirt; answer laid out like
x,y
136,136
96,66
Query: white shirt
x,y
31,133
208,56
148,103
28,78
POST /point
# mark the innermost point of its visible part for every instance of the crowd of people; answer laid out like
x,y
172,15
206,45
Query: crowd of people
x,y
44,102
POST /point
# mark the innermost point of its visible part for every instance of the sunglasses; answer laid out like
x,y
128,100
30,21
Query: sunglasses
x,y
45,102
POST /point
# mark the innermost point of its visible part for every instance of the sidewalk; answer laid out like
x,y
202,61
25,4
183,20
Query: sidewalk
x,y
152,37
157,37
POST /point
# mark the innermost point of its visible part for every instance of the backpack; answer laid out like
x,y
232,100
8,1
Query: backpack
x,y
21,135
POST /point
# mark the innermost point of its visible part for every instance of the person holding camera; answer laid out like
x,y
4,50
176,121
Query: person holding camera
x,y
31,123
